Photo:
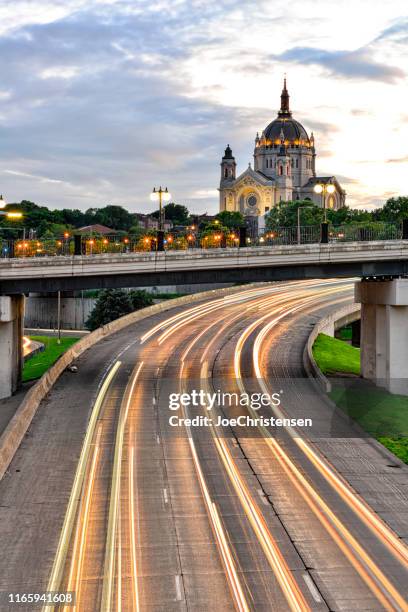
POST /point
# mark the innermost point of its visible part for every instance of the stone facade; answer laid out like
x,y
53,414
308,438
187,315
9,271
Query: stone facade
x,y
284,169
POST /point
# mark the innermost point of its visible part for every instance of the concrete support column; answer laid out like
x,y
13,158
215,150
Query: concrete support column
x,y
11,343
397,349
384,332
368,351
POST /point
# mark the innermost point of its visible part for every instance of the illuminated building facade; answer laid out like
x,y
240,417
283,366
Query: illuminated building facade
x,y
284,169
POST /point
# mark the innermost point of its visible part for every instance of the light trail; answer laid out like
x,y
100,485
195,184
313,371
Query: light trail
x,y
78,552
109,565
229,300
66,533
258,303
222,542
207,308
133,552
313,499
359,507
224,301
288,585
119,576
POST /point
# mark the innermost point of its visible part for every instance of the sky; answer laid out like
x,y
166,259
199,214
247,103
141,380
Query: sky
x,y
100,100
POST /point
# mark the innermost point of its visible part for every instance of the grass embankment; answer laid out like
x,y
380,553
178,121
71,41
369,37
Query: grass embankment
x,y
38,364
382,414
333,355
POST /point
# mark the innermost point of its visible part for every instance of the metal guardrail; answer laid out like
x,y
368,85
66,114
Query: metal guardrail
x,y
183,240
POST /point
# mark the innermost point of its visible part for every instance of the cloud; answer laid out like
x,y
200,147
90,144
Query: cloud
x,y
398,160
347,180
356,64
102,99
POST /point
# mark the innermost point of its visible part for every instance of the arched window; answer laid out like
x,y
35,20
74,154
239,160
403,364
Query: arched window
x,y
297,163
226,173
280,170
287,170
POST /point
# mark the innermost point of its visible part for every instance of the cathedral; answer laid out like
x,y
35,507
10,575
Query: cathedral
x,y
284,169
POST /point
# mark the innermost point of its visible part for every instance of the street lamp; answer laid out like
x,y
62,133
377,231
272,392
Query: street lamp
x,y
2,202
324,188
160,195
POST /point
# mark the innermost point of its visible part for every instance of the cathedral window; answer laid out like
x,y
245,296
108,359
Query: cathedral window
x,y
226,173
280,170
297,163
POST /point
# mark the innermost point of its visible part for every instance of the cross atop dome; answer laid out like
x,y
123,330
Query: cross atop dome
x,y
284,109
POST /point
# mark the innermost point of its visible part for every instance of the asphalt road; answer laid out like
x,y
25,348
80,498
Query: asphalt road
x,y
105,498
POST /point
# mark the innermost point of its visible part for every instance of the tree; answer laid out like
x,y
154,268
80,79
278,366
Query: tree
x,y
116,217
140,299
395,209
114,303
231,219
346,215
284,214
176,213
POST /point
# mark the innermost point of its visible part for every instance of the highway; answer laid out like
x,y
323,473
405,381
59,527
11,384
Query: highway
x,y
160,517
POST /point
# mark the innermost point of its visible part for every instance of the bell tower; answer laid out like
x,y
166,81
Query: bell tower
x,y
228,166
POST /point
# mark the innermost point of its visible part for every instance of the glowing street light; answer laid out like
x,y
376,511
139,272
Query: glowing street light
x,y
2,202
323,189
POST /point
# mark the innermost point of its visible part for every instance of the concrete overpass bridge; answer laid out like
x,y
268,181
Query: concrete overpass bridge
x,y
249,264
377,260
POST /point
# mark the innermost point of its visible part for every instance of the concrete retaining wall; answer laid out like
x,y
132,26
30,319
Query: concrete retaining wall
x,y
328,325
16,429
42,312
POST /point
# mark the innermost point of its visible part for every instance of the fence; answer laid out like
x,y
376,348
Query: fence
x,y
182,240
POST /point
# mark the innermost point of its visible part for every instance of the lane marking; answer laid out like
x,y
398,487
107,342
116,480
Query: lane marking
x,y
166,497
158,439
312,588
179,595
263,497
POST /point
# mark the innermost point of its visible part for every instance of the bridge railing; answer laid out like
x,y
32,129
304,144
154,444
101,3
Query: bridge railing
x,y
184,239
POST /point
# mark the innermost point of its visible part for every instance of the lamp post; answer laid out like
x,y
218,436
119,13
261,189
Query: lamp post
x,y
12,215
298,221
323,189
160,195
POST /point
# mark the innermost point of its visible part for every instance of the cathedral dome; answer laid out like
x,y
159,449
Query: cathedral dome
x,y
293,131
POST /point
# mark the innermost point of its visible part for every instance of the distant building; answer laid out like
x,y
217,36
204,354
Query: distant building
x,y
147,222
97,228
284,169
